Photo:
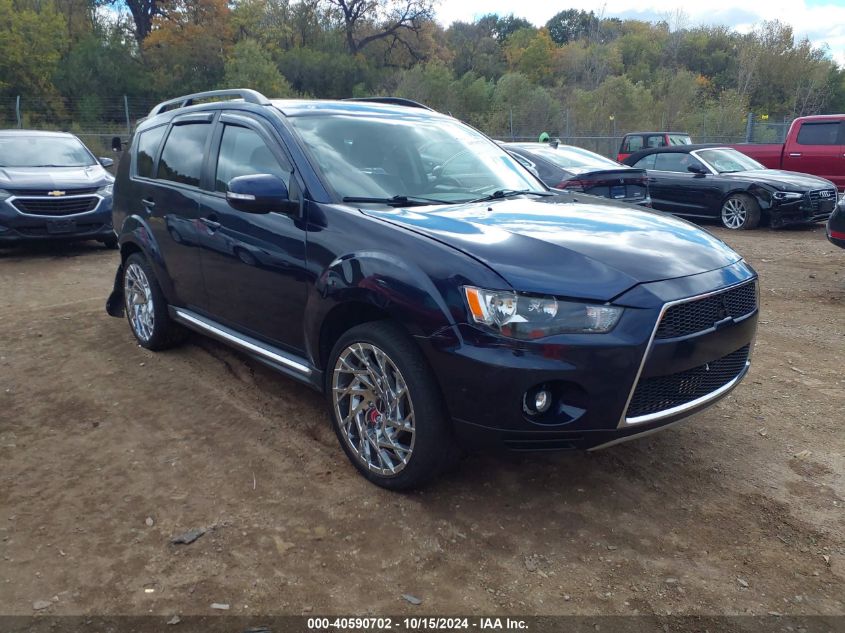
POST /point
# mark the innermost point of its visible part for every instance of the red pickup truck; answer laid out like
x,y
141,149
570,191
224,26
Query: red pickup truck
x,y
814,145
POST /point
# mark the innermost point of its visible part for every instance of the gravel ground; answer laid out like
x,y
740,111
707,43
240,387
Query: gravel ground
x,y
107,451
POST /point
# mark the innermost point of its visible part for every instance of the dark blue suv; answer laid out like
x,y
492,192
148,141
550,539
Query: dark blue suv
x,y
409,268
52,187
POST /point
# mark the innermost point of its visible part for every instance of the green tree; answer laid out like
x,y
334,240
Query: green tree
x,y
571,24
248,65
32,41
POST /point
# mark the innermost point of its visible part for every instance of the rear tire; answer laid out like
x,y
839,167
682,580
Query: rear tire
x,y
146,308
740,212
386,407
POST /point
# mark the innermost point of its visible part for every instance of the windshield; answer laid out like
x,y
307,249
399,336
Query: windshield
x,y
679,139
726,161
43,151
568,157
379,157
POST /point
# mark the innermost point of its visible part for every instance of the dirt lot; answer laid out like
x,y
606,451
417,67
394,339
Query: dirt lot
x,y
107,450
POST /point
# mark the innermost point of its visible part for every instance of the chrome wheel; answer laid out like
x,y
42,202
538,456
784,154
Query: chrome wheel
x,y
734,213
373,408
139,301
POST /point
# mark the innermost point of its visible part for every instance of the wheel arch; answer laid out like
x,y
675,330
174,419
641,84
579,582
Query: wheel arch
x,y
372,286
136,236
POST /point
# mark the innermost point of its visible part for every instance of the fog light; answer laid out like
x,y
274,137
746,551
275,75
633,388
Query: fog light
x,y
542,401
537,401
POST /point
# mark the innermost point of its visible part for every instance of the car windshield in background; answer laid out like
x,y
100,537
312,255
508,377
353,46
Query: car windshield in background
x,y
679,139
573,158
726,161
44,151
437,159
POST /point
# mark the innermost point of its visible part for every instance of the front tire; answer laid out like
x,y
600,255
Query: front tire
x,y
110,242
740,212
146,308
386,408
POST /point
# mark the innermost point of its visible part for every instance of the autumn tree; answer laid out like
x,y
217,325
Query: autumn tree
x,y
187,48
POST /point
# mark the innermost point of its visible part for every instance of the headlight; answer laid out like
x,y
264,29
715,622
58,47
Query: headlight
x,y
787,195
106,190
4,194
532,317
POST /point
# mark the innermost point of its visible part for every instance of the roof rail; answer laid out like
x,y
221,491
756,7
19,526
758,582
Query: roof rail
x,y
392,101
250,96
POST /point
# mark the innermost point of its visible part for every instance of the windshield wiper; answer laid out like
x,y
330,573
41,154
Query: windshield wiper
x,y
501,194
397,201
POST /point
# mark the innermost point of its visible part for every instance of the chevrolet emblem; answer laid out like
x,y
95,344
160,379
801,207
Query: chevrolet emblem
x,y
56,192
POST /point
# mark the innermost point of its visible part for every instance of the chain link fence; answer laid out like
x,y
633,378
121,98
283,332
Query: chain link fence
x,y
96,123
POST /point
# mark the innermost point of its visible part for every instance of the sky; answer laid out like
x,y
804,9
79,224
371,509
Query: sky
x,y
822,21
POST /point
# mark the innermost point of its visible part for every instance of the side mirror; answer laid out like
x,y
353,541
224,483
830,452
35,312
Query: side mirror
x,y
116,144
259,193
697,169
106,162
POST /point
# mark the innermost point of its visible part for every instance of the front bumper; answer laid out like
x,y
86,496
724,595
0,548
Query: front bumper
x,y
803,211
17,226
593,377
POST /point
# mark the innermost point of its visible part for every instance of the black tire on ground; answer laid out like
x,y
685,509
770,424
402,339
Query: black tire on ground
x,y
160,331
433,449
110,241
740,212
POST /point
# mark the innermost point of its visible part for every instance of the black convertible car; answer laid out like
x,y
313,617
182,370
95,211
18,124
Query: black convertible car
x,y
708,181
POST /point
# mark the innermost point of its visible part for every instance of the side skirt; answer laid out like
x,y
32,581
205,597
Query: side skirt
x,y
289,364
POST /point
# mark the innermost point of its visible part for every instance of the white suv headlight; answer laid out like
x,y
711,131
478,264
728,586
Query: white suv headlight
x,y
106,190
531,317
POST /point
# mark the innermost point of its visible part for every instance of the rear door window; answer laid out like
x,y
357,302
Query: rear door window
x,y
148,144
182,157
655,140
632,144
826,133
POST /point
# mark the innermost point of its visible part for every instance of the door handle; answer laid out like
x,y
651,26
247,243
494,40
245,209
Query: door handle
x,y
149,203
211,224
795,154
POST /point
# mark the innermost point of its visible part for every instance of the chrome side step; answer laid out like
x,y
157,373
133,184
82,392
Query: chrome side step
x,y
294,365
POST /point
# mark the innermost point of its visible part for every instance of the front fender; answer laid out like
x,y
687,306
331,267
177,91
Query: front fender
x,y
384,281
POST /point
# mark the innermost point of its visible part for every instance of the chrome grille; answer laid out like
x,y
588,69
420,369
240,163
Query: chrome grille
x,y
698,315
46,192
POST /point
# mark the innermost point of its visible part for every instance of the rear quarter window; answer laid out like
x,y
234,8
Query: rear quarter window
x,y
183,154
647,162
148,144
826,133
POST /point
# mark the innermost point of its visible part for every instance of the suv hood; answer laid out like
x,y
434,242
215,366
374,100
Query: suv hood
x,y
53,177
580,250
782,180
